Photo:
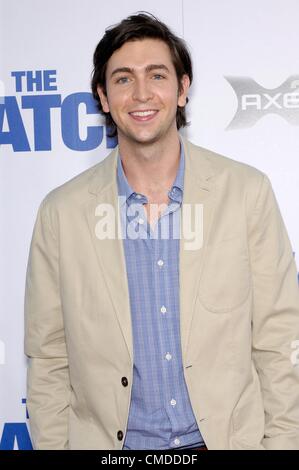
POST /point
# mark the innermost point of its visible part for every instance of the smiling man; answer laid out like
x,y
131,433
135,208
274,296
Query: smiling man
x,y
135,338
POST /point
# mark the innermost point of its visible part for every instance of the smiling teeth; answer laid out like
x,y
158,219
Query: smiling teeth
x,y
143,113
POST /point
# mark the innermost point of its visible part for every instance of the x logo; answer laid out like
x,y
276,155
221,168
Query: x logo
x,y
255,101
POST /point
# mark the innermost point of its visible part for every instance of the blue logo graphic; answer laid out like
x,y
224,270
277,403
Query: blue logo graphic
x,y
41,104
16,433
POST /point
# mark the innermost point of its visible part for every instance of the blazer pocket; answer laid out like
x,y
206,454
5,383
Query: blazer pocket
x,y
225,280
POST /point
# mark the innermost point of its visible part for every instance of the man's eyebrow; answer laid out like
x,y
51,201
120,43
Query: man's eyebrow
x,y
148,68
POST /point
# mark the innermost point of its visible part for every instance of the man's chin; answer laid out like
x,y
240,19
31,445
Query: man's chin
x,y
141,140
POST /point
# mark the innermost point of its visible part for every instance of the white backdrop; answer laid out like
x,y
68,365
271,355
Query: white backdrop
x,y
244,104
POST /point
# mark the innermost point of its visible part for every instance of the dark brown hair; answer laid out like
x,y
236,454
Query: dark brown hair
x,y
138,27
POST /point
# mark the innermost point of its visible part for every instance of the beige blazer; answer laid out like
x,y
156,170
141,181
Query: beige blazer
x,y
239,313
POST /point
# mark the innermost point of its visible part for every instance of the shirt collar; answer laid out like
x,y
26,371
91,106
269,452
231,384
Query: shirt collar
x,y
124,188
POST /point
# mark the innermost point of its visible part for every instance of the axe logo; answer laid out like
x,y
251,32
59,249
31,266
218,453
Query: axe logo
x,y
255,101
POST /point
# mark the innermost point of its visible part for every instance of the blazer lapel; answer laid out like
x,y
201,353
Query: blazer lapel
x,y
197,190
110,252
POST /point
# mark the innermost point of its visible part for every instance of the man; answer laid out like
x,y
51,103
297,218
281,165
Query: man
x,y
150,341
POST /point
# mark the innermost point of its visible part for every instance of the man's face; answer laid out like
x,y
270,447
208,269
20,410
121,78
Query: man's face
x,y
148,86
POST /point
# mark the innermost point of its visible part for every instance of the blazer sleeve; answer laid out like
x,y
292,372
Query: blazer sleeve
x,y
48,384
275,320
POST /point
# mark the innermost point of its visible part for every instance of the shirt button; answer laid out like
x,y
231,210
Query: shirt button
x,y
173,402
163,309
160,262
138,196
168,356
120,435
141,221
177,442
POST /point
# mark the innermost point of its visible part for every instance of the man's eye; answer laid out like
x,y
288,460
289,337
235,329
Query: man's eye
x,y
125,79
120,80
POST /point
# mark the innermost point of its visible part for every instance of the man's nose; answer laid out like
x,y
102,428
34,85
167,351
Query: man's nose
x,y
142,90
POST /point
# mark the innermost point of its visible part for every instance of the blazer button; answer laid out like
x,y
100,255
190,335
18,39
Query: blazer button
x,y
124,381
120,435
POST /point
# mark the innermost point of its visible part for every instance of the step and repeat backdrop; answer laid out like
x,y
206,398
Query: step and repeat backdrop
x,y
244,103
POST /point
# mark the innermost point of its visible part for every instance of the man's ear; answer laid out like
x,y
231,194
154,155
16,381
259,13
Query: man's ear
x,y
185,84
103,99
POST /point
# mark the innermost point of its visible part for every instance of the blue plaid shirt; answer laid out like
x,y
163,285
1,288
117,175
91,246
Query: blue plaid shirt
x,y
160,416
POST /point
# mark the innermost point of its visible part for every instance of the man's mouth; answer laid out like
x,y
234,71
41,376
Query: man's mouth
x,y
143,115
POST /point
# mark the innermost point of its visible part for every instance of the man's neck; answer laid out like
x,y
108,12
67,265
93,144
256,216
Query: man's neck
x,y
151,170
